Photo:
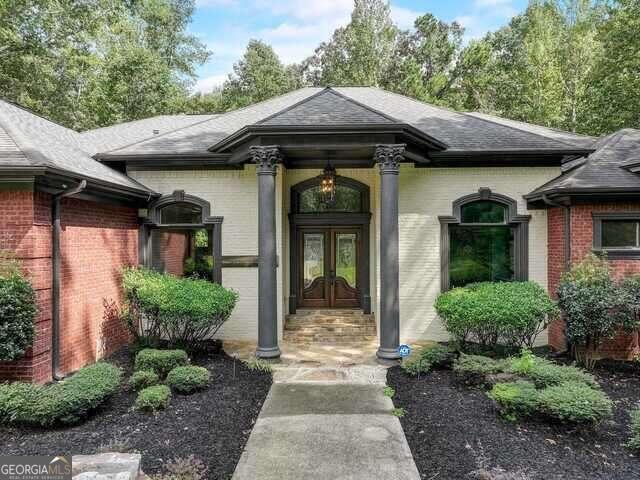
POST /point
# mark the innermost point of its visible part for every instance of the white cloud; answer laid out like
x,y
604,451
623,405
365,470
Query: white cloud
x,y
308,9
205,85
404,17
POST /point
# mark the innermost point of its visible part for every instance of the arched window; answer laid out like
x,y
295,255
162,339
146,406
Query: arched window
x,y
351,197
484,240
182,238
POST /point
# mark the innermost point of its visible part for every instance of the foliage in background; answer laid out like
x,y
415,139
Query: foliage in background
x,y
182,310
594,307
17,310
493,313
66,402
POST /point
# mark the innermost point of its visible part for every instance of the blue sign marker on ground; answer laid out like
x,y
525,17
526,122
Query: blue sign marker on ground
x,y
404,350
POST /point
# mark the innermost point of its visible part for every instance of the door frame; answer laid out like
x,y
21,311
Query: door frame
x,y
331,219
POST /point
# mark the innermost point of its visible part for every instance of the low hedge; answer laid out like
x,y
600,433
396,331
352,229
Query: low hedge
x,y
496,313
431,356
574,402
474,369
153,398
188,379
66,402
160,361
545,373
143,379
516,398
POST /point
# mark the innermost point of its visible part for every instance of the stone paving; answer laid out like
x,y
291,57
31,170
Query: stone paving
x,y
325,418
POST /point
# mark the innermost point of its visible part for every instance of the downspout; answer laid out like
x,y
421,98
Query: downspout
x,y
55,277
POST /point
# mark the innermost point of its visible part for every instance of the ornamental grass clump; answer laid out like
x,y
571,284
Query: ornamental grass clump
x,y
188,379
511,314
183,311
17,310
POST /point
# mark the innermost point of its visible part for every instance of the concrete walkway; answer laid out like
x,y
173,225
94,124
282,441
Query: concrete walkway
x,y
327,429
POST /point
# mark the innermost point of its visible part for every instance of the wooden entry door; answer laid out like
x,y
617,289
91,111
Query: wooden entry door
x,y
328,265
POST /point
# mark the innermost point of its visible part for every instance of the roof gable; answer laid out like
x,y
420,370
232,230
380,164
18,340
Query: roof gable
x,y
327,107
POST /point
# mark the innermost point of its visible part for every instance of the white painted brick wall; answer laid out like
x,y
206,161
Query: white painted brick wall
x,y
427,193
424,195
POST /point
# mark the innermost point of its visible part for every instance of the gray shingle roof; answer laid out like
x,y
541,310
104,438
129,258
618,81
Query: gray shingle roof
x,y
326,108
313,106
199,137
602,170
123,134
28,140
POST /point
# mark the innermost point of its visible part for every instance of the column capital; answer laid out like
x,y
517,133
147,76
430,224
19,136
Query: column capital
x,y
389,156
266,157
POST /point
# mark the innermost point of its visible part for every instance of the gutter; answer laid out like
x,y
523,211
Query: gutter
x,y
55,276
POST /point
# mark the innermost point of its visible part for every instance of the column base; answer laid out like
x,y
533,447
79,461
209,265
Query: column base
x,y
388,353
268,352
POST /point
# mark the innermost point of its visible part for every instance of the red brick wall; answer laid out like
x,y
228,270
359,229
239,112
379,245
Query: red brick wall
x,y
97,241
25,230
622,346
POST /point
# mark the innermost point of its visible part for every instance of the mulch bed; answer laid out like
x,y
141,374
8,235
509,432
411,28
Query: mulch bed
x,y
212,425
453,430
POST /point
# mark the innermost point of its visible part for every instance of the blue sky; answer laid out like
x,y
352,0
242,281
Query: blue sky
x,y
295,27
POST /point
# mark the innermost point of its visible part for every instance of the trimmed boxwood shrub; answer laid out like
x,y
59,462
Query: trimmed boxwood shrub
x,y
493,313
516,398
17,310
185,311
545,373
431,356
67,402
574,402
160,361
475,368
188,379
634,441
143,379
153,398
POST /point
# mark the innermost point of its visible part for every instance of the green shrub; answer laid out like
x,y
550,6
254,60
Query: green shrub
x,y
67,402
475,368
431,356
545,373
493,313
153,398
516,398
184,311
634,441
143,379
188,379
160,361
574,402
256,364
594,307
17,310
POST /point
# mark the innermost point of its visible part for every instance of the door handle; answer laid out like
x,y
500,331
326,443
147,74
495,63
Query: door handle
x,y
332,276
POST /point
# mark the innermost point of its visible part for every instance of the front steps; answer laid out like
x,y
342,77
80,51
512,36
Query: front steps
x,y
335,326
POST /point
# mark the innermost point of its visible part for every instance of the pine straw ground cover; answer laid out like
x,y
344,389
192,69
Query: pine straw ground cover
x,y
454,430
213,425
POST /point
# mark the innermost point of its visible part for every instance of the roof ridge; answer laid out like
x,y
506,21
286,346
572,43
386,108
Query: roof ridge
x,y
527,123
294,105
217,117
365,106
35,114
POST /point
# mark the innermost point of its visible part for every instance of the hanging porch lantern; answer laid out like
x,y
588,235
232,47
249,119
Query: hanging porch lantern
x,y
328,185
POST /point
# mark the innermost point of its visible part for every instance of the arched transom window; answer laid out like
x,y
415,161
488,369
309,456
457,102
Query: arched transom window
x,y
351,197
484,240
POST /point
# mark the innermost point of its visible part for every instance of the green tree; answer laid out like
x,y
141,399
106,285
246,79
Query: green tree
x,y
259,75
423,60
613,97
359,53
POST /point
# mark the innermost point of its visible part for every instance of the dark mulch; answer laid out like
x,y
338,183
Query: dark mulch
x,y
213,425
451,427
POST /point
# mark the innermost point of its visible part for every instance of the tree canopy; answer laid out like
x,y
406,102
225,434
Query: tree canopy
x,y
570,64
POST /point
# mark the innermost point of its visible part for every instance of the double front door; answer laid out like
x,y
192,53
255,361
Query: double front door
x,y
328,266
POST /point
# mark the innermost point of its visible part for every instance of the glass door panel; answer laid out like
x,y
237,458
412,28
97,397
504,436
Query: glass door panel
x,y
344,285
313,271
